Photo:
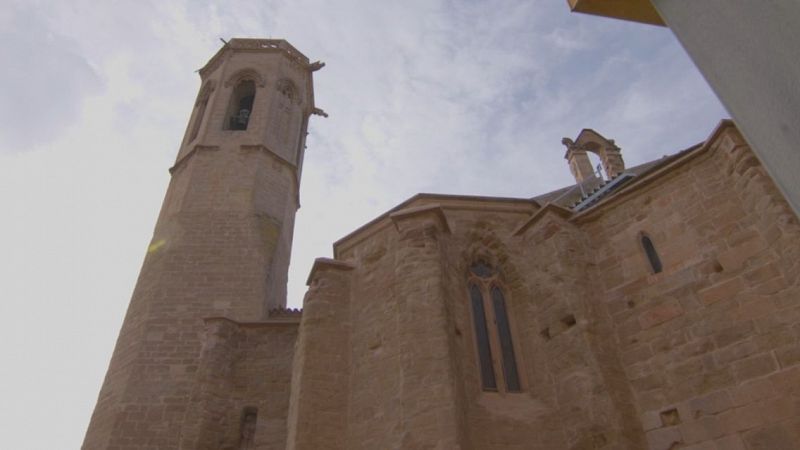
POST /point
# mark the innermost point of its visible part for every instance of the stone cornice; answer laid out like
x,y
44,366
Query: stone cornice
x,y
547,209
399,217
448,202
195,149
282,321
257,45
323,264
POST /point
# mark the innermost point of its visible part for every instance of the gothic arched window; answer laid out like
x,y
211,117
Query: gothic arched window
x,y
200,109
241,105
652,254
492,331
285,117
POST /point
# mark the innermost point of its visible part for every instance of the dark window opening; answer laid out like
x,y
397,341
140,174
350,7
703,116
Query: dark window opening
x,y
495,346
482,337
247,429
241,106
506,346
652,255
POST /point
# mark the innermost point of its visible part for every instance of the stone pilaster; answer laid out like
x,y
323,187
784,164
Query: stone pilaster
x,y
612,161
319,393
593,400
429,403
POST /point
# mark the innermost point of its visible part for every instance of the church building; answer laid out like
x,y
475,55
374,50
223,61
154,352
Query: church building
x,y
652,307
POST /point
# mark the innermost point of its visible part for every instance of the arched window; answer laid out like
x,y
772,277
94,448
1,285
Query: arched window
x,y
285,117
241,105
652,255
492,331
200,109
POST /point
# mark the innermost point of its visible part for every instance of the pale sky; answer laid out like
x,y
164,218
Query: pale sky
x,y
459,97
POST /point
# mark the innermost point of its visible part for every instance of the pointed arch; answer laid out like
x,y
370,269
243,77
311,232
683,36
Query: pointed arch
x,y
288,90
286,118
240,107
200,108
246,74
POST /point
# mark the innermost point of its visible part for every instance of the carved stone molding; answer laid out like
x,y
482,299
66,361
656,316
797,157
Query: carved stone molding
x,y
326,264
433,211
246,74
287,88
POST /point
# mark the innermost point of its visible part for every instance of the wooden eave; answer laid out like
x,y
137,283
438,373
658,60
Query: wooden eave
x,y
641,11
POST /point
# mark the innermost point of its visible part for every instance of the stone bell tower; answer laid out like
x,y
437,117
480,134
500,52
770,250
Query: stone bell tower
x,y
222,242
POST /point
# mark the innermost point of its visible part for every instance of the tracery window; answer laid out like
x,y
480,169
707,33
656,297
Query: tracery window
x,y
285,115
492,331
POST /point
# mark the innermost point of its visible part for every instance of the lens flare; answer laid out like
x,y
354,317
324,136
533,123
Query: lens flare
x,y
156,245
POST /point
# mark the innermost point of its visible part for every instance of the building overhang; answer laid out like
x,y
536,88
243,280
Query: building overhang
x,y
641,11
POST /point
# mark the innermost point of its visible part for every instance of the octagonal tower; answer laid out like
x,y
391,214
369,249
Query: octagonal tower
x,y
222,242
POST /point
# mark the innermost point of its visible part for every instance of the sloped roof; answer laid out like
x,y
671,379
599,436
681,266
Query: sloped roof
x,y
569,195
562,200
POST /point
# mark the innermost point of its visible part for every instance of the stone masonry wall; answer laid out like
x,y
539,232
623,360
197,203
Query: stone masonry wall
x,y
402,388
703,355
245,367
711,345
502,420
414,378
591,397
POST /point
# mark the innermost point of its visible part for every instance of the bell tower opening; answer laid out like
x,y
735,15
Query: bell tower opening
x,y
241,105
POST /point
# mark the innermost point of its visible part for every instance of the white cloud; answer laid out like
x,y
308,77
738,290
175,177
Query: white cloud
x,y
437,96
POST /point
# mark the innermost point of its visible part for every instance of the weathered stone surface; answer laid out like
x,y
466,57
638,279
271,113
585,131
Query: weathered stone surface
x,y
220,249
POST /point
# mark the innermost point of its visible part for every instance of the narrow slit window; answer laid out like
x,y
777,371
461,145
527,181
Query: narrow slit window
x,y
652,255
506,345
482,337
241,106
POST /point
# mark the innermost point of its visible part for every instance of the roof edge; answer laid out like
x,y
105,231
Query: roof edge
x,y
385,216
538,215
